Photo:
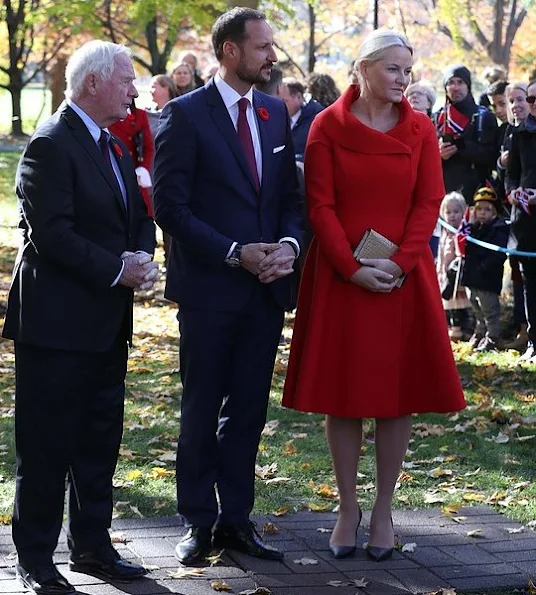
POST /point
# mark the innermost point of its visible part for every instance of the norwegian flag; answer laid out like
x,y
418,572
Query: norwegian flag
x,y
523,199
462,232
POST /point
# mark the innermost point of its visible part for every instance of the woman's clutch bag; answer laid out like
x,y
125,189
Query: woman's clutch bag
x,y
374,245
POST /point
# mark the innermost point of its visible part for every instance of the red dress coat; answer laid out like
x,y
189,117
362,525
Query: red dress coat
x,y
127,130
356,353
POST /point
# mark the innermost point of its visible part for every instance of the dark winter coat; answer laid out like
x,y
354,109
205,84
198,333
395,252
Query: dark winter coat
x,y
521,171
300,131
471,166
483,268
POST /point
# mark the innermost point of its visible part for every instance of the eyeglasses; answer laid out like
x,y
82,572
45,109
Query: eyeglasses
x,y
531,99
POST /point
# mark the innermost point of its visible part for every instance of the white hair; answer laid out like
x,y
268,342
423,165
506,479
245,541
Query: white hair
x,y
375,45
426,87
94,57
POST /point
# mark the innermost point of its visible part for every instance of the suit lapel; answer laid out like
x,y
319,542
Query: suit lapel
x,y
119,154
82,135
223,121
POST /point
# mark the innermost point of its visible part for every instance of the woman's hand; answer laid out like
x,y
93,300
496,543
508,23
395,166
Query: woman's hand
x,y
503,159
385,265
373,279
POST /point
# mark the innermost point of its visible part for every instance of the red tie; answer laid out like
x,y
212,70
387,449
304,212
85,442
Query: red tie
x,y
244,134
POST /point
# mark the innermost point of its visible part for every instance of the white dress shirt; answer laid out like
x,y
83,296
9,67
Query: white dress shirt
x,y
230,99
294,119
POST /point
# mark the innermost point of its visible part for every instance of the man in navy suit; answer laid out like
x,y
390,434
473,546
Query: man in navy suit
x,y
86,244
226,191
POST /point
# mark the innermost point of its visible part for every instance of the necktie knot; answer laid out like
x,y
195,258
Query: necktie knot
x,y
243,105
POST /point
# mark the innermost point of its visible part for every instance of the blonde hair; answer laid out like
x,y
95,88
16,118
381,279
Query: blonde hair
x,y
452,197
515,86
374,46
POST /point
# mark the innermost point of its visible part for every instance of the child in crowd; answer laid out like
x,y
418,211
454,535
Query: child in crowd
x,y
483,270
457,307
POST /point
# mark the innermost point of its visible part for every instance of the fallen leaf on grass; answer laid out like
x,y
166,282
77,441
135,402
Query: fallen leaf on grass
x,y
474,497
439,472
306,561
290,448
513,530
220,586
186,572
475,533
257,591
326,491
277,480
451,509
313,507
270,429
433,498
409,547
531,587
118,537
159,472
281,511
5,519
403,498
132,475
265,471
501,438
136,511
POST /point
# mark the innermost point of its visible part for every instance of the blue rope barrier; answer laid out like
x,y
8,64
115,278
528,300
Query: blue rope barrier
x,y
494,247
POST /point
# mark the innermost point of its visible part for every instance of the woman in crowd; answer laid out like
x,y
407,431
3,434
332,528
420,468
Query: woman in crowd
x,y
322,88
183,77
421,97
517,110
135,132
520,186
362,345
163,89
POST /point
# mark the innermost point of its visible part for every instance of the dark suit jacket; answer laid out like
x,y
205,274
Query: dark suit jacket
x,y
74,228
300,132
206,199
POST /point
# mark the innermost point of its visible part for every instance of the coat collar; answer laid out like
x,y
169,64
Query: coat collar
x,y
352,134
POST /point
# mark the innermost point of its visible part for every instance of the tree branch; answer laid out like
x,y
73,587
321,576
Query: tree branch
x,y
290,59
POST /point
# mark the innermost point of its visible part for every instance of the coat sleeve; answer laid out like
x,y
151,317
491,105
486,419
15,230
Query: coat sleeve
x,y
513,167
45,186
174,173
320,191
427,195
148,141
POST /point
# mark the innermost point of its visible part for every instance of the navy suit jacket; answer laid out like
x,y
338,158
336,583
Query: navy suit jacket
x,y
205,198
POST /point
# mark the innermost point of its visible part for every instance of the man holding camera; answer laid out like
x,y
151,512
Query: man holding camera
x,y
467,134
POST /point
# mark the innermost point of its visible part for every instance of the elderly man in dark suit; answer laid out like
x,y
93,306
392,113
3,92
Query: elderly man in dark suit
x,y
87,242
226,191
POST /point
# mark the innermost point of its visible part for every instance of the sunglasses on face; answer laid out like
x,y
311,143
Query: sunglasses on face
x,y
531,99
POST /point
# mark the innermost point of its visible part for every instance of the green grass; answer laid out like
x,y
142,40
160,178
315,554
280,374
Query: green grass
x,y
453,460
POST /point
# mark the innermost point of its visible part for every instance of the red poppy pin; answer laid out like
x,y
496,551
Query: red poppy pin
x,y
263,113
117,149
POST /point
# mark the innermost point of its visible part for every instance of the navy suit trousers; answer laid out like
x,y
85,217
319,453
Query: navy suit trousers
x,y
226,361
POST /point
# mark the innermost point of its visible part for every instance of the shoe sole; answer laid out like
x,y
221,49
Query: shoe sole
x,y
92,571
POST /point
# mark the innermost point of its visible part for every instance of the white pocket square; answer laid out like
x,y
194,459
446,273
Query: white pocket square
x,y
277,149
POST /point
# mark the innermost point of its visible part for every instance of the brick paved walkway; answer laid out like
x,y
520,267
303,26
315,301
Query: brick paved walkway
x,y
444,557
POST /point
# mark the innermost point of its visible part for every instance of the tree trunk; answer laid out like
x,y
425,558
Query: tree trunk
x,y
311,62
56,81
16,120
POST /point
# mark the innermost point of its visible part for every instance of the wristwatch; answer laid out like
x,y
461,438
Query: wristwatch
x,y
233,260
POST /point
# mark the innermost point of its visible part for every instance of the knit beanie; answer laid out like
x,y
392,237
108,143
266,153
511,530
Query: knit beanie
x,y
486,194
458,70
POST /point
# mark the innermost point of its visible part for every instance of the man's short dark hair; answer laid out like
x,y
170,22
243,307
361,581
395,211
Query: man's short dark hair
x,y
270,88
231,26
294,86
497,88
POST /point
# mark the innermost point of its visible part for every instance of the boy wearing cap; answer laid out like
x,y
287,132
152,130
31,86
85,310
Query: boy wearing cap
x,y
467,135
483,269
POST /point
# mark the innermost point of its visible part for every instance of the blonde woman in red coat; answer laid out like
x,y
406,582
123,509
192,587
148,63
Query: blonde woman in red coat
x,y
362,346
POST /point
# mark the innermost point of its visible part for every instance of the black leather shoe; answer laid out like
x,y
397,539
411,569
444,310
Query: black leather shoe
x,y
244,538
194,546
44,580
106,563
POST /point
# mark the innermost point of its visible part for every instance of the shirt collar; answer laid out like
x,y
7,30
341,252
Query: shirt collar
x,y
91,125
228,94
294,119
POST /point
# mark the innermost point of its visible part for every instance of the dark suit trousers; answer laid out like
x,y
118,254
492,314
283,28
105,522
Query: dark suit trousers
x,y
227,361
68,426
